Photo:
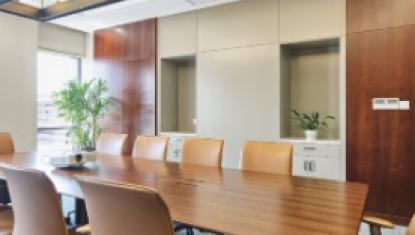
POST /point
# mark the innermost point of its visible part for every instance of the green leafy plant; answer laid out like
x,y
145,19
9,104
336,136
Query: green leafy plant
x,y
83,104
310,121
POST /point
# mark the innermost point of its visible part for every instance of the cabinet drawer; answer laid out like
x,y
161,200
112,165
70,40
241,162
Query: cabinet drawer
x,y
317,150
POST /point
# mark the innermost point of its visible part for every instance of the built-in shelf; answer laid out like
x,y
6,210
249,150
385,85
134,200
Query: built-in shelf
x,y
178,94
310,74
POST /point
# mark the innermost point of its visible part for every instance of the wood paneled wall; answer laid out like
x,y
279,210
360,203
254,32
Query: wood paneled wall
x,y
126,57
381,144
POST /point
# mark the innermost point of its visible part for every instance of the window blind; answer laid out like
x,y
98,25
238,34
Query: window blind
x,y
61,39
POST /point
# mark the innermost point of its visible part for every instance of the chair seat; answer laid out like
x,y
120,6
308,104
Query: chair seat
x,y
6,221
84,229
371,220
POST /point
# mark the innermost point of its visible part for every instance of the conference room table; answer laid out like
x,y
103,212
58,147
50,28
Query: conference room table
x,y
224,200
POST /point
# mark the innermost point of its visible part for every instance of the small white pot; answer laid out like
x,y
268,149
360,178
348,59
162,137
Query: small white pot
x,y
311,135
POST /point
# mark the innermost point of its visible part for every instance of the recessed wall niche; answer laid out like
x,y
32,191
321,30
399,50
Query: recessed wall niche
x,y
310,74
178,97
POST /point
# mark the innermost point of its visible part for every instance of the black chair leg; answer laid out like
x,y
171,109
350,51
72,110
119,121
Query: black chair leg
x,y
189,231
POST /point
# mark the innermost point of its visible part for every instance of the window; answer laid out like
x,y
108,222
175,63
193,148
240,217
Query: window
x,y
54,70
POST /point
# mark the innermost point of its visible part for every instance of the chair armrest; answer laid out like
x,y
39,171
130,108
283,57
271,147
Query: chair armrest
x,y
84,229
371,220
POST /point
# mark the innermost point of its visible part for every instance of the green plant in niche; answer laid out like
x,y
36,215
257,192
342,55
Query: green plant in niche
x,y
83,104
310,121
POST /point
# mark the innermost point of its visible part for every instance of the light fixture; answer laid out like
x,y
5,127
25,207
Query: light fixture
x,y
45,10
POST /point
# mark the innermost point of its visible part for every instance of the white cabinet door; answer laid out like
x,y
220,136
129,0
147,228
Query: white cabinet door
x,y
312,19
324,168
177,35
230,85
240,24
300,165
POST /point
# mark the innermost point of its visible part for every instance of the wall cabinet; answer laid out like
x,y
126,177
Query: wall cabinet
x,y
177,35
244,23
317,160
312,19
236,94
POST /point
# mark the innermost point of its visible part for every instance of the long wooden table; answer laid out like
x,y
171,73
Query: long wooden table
x,y
225,200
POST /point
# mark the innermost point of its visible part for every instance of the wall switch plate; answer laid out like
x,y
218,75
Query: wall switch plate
x,y
405,105
392,104
379,103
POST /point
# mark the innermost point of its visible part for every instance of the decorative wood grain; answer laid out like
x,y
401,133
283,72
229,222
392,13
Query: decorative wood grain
x,y
126,57
366,15
225,200
380,145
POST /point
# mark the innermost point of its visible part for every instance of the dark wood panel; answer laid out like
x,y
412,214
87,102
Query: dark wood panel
x,y
224,200
365,15
406,9
139,98
139,40
108,44
126,57
379,143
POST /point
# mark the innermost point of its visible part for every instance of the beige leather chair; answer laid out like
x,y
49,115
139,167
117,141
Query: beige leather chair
x,y
6,144
376,224
275,158
6,147
207,152
151,147
411,227
128,210
36,206
111,144
6,221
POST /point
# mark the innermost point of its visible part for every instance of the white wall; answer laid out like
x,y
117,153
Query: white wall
x,y
18,86
238,62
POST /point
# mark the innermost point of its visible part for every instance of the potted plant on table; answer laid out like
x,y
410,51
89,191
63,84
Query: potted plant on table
x,y
83,104
310,123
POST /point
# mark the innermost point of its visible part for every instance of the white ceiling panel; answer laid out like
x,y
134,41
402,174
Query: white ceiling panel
x,y
131,11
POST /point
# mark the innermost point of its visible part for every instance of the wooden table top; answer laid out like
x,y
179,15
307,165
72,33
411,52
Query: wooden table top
x,y
225,200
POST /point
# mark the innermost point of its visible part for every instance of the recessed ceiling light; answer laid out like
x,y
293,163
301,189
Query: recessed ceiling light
x,y
200,2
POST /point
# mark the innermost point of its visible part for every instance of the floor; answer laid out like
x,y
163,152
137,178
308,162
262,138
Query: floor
x,y
364,230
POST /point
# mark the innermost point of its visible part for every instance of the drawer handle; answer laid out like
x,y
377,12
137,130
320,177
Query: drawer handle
x,y
313,166
309,148
306,165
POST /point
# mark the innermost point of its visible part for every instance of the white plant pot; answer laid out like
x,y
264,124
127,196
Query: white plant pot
x,y
311,135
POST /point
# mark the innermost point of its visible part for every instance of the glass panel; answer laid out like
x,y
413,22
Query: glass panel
x,y
53,71
38,3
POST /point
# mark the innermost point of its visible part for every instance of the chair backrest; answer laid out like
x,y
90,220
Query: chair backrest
x,y
36,206
207,152
264,157
411,227
111,144
6,144
139,210
151,147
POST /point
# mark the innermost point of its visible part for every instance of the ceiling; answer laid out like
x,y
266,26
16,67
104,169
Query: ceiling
x,y
130,11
